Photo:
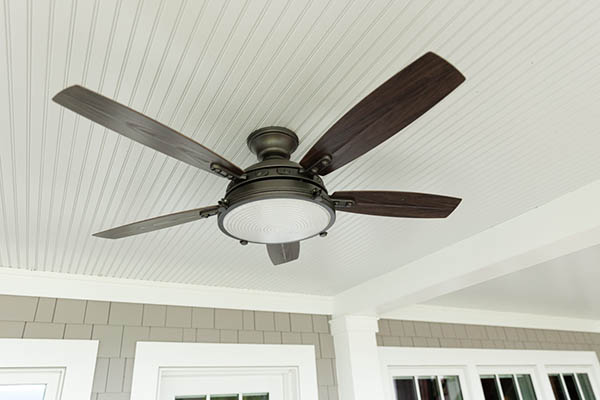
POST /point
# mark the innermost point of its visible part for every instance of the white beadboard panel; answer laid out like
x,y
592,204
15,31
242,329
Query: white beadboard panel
x,y
543,289
521,131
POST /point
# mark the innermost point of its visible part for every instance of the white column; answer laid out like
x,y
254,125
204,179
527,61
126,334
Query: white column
x,y
357,358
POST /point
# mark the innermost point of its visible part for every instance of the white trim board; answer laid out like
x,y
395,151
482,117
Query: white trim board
x,y
22,282
429,356
431,313
76,359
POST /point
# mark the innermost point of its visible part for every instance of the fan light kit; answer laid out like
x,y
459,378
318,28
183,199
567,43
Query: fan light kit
x,y
276,220
279,202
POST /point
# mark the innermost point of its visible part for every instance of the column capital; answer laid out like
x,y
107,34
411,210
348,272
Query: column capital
x,y
354,323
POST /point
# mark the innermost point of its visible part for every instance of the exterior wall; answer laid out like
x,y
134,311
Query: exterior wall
x,y
432,334
118,326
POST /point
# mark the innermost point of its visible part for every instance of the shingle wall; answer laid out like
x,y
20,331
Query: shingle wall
x,y
430,334
118,326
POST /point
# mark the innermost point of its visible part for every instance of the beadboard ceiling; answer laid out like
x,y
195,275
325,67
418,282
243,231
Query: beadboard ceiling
x,y
566,286
521,131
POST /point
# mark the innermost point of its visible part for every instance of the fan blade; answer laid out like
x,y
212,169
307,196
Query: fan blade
x,y
144,130
396,204
154,224
383,113
281,253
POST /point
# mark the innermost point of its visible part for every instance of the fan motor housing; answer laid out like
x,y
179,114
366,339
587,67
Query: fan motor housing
x,y
274,177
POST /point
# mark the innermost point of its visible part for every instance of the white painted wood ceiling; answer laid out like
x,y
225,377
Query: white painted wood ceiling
x,y
521,131
566,286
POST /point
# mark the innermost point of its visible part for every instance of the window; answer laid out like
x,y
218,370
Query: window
x,y
507,387
488,374
23,392
233,383
571,386
428,388
206,371
40,369
31,383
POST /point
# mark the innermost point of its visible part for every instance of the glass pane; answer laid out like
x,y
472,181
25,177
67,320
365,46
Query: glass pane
x,y
557,387
572,387
405,388
526,386
224,396
256,396
586,386
429,389
490,389
509,388
451,388
22,392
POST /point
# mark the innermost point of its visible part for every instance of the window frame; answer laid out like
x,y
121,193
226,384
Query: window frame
x,y
155,360
418,372
476,362
575,369
51,378
65,366
214,381
515,369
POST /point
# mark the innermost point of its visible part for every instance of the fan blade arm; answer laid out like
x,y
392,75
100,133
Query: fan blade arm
x,y
395,204
144,130
384,112
281,253
162,222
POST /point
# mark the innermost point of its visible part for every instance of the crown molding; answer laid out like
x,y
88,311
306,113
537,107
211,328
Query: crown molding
x,y
21,282
430,313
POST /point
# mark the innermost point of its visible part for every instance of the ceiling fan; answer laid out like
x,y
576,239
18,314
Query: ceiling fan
x,y
276,201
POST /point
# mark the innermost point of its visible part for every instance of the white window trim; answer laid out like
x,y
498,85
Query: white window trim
x,y
73,360
154,360
470,363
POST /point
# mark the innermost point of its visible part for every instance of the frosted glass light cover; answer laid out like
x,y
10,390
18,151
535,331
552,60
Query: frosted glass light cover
x,y
276,220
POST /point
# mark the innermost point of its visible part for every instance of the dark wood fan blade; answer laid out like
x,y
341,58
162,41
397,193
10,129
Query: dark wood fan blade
x,y
144,130
281,253
154,224
383,113
396,204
